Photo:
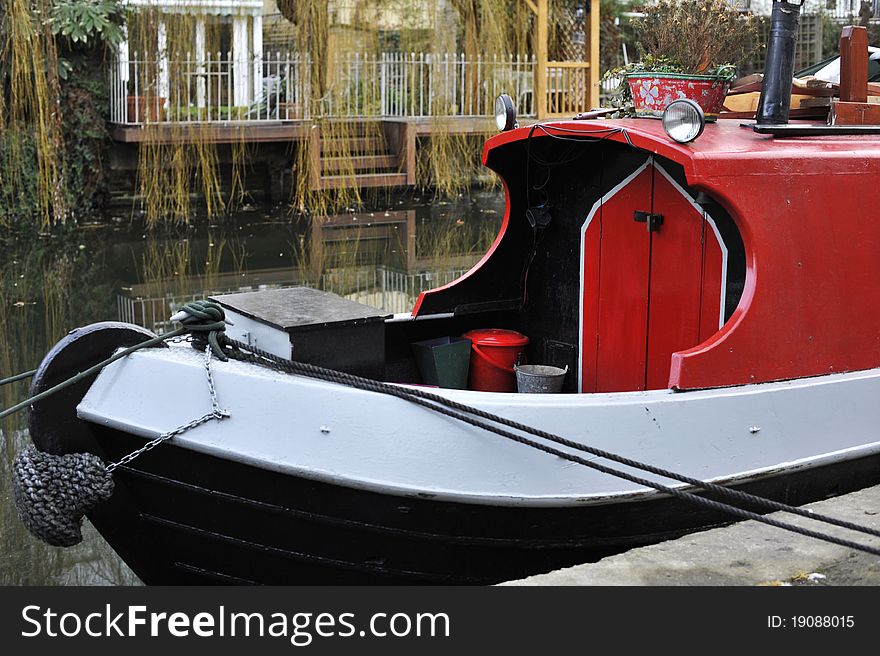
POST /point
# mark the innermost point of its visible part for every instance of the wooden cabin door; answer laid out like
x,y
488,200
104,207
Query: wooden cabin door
x,y
654,267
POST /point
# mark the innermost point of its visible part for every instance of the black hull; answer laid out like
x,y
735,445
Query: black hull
x,y
180,517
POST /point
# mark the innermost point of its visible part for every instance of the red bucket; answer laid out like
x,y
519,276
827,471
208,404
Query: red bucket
x,y
494,351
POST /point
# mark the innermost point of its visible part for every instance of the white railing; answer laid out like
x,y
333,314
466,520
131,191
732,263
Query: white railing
x,y
217,87
223,87
421,84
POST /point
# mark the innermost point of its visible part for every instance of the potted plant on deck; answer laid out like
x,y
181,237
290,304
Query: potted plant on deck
x,y
688,49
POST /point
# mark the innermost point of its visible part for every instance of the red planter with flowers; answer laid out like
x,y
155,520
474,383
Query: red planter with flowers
x,y
652,92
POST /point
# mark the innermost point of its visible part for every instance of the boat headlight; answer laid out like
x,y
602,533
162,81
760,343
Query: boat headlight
x,y
505,113
683,120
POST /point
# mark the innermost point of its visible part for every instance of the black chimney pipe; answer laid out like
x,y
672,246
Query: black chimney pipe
x,y
775,103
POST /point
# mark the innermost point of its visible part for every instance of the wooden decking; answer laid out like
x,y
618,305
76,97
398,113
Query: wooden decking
x,y
362,159
286,131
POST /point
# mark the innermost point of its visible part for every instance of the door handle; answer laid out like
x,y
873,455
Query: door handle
x,y
651,221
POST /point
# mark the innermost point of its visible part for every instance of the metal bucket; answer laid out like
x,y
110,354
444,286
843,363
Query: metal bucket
x,y
539,378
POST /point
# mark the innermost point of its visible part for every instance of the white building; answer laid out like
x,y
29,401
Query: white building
x,y
245,39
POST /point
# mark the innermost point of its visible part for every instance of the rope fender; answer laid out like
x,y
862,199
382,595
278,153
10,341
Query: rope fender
x,y
54,492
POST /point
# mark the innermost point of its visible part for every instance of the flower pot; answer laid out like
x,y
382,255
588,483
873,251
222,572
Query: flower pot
x,y
652,92
145,108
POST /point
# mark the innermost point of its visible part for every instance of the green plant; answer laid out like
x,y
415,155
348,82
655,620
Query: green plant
x,y
87,21
622,97
697,35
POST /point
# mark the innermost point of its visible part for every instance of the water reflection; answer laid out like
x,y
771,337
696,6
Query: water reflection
x,y
116,270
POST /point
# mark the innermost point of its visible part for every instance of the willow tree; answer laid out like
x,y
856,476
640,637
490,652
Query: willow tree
x,y
30,123
312,20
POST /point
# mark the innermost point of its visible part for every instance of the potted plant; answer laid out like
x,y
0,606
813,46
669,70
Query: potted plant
x,y
688,49
148,108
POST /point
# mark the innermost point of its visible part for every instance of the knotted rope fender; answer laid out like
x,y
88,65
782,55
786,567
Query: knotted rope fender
x,y
54,492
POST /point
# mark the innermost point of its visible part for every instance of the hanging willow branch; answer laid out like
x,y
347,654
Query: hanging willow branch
x,y
30,117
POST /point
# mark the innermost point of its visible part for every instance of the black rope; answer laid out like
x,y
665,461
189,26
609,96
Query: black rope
x,y
476,417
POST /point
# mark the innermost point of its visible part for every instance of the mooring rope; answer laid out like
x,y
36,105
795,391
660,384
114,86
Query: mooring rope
x,y
479,419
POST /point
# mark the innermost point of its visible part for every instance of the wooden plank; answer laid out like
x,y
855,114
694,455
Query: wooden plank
x,y
799,112
347,144
359,162
567,64
541,61
365,180
854,64
854,113
374,218
593,44
207,133
616,334
426,126
409,154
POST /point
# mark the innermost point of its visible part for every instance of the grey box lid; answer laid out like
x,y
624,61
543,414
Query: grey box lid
x,y
296,308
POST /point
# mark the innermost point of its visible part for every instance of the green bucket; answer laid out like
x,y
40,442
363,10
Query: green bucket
x,y
444,361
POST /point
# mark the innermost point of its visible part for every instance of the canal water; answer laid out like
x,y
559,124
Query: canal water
x,y
117,269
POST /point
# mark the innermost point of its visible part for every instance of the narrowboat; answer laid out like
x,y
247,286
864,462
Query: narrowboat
x,y
711,301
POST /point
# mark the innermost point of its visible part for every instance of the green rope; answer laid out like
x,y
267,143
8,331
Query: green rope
x,y
206,317
17,377
202,317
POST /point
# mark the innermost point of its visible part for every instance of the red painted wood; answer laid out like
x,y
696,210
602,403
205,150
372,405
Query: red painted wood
x,y
616,300
811,302
645,293
676,277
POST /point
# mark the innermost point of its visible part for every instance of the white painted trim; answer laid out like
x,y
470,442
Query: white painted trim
x,y
257,49
241,73
223,7
201,82
407,316
122,55
597,205
162,45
